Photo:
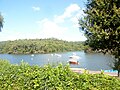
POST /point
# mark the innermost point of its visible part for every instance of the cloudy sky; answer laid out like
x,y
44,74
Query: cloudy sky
x,y
31,19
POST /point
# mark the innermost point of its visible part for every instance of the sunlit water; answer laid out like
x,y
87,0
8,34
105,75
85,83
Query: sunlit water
x,y
89,61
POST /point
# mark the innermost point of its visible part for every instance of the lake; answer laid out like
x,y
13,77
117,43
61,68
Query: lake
x,y
93,61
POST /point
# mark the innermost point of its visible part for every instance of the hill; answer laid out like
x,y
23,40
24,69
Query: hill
x,y
30,46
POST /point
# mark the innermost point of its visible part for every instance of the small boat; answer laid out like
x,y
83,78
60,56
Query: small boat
x,y
58,55
32,55
74,59
51,54
111,71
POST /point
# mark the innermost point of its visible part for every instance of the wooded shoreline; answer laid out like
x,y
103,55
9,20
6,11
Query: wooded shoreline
x,y
39,46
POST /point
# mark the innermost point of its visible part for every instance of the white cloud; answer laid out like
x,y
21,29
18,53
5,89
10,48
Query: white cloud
x,y
64,26
9,35
71,9
73,13
68,13
76,17
36,8
51,29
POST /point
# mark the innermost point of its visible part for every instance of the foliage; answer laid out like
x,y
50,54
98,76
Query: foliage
x,y
101,25
1,22
39,46
26,77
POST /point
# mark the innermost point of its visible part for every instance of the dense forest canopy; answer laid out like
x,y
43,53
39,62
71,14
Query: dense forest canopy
x,y
29,46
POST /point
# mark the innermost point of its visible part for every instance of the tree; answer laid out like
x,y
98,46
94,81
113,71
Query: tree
x,y
1,22
101,25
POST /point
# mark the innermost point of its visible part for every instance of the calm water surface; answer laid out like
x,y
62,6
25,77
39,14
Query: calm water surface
x,y
89,61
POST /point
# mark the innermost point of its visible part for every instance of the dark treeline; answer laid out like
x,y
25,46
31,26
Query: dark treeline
x,y
29,46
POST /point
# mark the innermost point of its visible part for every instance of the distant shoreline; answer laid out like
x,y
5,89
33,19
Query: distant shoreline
x,y
39,46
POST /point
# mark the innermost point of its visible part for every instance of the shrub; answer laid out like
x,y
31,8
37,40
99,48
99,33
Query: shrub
x,y
26,77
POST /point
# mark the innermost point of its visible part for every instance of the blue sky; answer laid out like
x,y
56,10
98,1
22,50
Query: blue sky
x,y
35,19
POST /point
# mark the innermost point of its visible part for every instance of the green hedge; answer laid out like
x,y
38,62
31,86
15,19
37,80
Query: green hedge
x,y
26,77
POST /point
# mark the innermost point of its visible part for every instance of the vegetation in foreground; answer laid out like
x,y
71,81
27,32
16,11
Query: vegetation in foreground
x,y
39,46
26,77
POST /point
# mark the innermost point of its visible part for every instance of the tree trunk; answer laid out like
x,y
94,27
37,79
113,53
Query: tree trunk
x,y
119,68
118,62
118,73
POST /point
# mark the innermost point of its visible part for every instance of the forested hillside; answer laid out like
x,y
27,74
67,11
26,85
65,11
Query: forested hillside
x,y
39,46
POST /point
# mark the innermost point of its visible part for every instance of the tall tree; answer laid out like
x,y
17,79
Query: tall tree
x,y
101,25
1,22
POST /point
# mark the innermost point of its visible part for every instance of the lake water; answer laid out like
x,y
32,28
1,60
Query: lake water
x,y
92,61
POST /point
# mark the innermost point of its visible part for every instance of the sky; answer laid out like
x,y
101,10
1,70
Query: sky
x,y
38,19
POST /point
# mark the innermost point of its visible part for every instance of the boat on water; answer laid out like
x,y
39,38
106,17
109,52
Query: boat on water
x,y
32,55
73,59
111,71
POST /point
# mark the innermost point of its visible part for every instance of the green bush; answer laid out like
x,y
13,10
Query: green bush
x,y
26,77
